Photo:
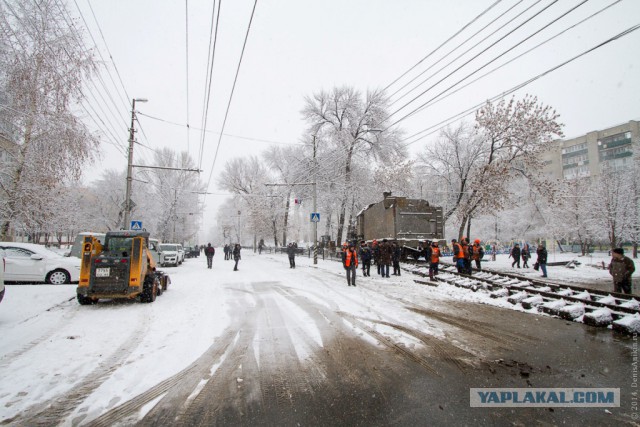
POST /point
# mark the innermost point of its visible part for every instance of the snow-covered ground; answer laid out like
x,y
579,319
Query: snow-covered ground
x,y
101,356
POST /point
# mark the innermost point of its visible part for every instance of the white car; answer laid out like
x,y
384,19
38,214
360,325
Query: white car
x,y
169,254
180,253
28,262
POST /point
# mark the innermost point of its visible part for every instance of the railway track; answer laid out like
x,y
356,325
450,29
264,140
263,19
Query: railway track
x,y
621,312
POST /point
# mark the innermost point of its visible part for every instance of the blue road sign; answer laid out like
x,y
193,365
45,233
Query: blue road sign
x,y
136,225
315,217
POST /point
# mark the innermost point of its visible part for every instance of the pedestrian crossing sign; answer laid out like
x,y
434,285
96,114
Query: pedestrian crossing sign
x,y
136,225
315,217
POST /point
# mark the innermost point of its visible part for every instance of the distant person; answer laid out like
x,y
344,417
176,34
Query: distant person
x,y
385,258
365,256
458,255
291,252
209,251
375,248
236,255
396,252
477,253
494,251
621,268
515,254
525,253
434,261
541,251
350,263
260,246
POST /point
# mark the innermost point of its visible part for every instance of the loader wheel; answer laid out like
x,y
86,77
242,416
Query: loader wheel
x,y
86,300
149,290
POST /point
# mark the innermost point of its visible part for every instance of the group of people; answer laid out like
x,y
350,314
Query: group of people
x,y
229,252
464,254
524,253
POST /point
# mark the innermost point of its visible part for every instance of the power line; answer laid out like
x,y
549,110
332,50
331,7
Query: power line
x,y
445,42
519,86
235,80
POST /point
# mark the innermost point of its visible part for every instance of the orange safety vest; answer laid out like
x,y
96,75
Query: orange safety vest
x,y
457,251
476,252
349,256
435,255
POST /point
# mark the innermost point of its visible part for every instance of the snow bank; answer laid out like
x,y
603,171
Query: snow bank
x,y
599,317
629,324
572,312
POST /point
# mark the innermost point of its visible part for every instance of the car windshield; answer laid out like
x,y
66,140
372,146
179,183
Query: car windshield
x,y
165,248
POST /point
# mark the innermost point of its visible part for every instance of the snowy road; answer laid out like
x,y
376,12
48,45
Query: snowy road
x,y
277,346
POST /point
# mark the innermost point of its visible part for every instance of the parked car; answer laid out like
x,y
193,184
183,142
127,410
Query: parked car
x,y
28,262
191,252
77,244
2,275
180,253
169,254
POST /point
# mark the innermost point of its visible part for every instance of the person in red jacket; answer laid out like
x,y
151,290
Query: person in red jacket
x,y
350,263
209,252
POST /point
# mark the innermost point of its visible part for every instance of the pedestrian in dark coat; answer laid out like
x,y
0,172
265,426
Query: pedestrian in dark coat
x,y
396,252
385,258
541,251
226,252
375,248
236,256
209,252
365,257
291,252
621,268
525,253
515,254
350,263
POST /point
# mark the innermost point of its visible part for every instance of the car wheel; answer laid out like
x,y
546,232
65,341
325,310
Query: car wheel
x,y
86,300
58,277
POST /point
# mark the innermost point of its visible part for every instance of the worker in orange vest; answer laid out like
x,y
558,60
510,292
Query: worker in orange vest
x,y
350,263
477,253
458,255
434,261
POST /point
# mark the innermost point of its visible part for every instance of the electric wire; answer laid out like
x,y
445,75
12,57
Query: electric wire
x,y
444,43
453,50
233,87
517,57
456,117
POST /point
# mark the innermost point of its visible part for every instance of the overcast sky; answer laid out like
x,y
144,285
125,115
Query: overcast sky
x,y
298,47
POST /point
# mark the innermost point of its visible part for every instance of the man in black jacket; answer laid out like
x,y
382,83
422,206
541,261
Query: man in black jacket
x,y
209,252
542,259
621,268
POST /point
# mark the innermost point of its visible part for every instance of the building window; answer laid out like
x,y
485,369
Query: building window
x,y
574,148
576,172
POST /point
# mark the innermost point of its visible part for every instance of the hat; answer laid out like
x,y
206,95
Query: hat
x,y
454,240
434,243
477,241
618,251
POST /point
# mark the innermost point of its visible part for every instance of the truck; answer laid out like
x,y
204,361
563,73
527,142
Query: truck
x,y
121,268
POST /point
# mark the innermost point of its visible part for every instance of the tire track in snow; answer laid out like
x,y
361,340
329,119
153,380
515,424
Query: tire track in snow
x,y
55,410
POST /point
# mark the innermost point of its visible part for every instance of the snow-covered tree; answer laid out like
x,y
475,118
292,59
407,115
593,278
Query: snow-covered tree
x,y
349,127
42,69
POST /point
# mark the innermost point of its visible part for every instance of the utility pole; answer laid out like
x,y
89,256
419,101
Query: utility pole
x,y
127,200
315,203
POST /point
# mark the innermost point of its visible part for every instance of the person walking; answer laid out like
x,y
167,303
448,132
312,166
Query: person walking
x,y
525,253
385,258
236,255
209,251
541,251
365,257
350,263
621,268
434,261
477,253
515,254
396,252
466,250
291,252
226,251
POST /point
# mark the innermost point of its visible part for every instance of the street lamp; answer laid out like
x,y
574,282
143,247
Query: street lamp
x,y
127,200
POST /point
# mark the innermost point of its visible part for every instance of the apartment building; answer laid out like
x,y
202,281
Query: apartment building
x,y
588,155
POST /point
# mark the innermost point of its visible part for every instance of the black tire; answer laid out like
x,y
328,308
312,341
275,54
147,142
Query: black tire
x,y
86,300
58,277
149,290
